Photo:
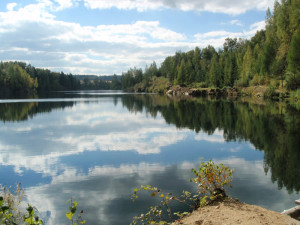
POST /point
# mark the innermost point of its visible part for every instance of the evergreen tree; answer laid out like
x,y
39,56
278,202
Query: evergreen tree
x,y
180,80
214,71
294,53
246,74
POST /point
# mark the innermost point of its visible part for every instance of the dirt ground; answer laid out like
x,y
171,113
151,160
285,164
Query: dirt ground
x,y
234,212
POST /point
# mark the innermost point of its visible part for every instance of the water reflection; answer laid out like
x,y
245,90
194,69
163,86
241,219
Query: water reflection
x,y
98,149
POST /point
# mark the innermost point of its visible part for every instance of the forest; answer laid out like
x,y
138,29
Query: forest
x,y
18,78
271,58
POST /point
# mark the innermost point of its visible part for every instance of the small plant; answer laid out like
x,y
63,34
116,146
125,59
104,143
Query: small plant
x,y
31,218
211,179
10,205
70,214
12,209
154,215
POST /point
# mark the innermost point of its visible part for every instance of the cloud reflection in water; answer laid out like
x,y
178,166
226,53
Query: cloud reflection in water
x,y
98,152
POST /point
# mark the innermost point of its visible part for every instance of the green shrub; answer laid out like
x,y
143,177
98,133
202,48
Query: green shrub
x,y
270,93
255,81
12,210
211,179
295,94
292,80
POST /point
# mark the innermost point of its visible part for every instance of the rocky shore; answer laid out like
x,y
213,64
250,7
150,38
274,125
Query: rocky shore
x,y
253,91
197,92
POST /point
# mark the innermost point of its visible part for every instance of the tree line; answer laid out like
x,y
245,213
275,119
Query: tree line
x,y
18,78
270,57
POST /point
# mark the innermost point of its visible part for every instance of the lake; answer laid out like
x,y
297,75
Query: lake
x,y
96,147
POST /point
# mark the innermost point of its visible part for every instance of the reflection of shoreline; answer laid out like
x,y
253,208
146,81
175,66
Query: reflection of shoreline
x,y
92,127
20,111
273,128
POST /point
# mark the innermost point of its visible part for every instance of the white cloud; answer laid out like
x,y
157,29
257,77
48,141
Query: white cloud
x,y
140,5
103,49
63,4
236,22
33,34
216,137
11,6
258,26
100,129
233,7
132,140
217,38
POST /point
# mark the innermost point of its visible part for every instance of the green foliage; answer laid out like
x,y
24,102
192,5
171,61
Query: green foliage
x,y
292,80
12,210
31,218
20,78
272,127
270,93
210,177
294,53
257,80
295,95
268,55
154,215
72,211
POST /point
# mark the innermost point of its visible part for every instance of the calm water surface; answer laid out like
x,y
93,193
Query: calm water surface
x,y
97,147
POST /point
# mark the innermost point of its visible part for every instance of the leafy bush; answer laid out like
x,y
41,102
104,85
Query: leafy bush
x,y
11,206
211,179
270,93
255,81
241,83
13,212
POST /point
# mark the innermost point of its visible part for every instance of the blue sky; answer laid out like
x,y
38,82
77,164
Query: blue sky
x,y
109,36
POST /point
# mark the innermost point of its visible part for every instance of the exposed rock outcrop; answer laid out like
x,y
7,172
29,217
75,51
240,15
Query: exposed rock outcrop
x,y
197,92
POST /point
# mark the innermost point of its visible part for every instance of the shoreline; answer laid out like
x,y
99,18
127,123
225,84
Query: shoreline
x,y
234,212
232,92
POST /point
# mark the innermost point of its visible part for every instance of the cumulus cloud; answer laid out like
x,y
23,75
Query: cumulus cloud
x,y
233,7
216,38
11,6
33,34
89,128
71,47
63,4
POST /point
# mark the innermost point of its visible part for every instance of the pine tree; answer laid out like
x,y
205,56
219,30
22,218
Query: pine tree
x,y
214,71
181,73
294,53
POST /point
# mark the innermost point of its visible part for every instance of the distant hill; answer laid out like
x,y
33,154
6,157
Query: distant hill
x,y
93,77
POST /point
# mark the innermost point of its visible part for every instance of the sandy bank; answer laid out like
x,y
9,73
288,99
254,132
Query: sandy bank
x,y
234,212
